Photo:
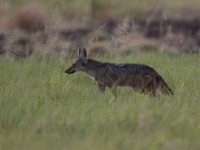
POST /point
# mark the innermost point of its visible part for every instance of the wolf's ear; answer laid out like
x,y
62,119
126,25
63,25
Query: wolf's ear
x,y
79,53
83,53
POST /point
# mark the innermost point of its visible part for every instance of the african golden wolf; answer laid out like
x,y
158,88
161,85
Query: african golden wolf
x,y
139,77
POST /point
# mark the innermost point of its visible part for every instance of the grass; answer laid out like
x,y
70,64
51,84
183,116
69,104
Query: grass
x,y
43,108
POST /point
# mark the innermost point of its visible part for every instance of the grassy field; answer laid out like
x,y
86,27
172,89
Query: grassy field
x,y
41,108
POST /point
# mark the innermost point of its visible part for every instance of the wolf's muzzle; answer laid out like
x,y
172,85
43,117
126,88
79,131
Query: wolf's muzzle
x,y
70,70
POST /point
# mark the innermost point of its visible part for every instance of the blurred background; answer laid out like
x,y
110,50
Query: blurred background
x,y
58,27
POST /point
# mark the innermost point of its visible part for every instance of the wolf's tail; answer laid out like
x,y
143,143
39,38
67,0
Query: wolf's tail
x,y
165,89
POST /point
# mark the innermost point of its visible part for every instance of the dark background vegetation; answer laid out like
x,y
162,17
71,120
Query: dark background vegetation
x,y
50,27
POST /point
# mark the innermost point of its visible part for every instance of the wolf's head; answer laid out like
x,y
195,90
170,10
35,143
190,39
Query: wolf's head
x,y
80,63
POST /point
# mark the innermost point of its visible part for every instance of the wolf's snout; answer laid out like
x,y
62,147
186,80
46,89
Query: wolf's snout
x,y
70,70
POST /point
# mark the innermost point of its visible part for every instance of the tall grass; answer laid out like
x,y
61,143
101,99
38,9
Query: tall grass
x,y
43,108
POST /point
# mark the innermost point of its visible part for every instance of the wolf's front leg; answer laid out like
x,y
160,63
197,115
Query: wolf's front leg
x,y
114,92
101,87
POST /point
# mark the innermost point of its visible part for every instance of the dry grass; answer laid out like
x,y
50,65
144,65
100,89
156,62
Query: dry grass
x,y
103,8
19,45
61,27
30,18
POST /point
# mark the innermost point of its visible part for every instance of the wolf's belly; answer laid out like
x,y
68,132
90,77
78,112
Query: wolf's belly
x,y
137,81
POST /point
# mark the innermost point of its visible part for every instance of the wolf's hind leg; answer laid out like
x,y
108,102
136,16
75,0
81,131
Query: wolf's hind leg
x,y
151,89
138,90
152,93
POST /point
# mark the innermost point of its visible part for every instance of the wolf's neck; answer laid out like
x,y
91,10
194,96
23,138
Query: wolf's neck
x,y
92,67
